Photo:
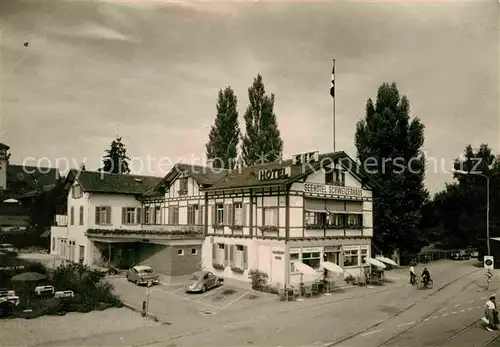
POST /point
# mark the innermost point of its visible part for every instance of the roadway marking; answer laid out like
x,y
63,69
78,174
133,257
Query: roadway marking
x,y
371,332
457,305
470,302
177,290
404,324
470,308
232,302
462,311
435,317
183,297
484,297
444,315
210,292
454,312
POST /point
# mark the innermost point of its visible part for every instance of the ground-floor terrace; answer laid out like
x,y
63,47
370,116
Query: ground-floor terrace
x,y
235,257
171,254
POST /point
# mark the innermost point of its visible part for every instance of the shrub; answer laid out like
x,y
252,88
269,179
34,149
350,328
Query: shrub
x,y
237,269
259,279
218,266
350,279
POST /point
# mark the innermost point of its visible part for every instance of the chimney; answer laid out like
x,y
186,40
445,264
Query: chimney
x,y
4,161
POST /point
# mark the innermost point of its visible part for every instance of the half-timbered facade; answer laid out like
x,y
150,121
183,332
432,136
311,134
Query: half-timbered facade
x,y
313,208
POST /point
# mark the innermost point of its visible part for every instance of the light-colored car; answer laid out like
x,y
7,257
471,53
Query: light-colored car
x,y
201,281
474,254
142,274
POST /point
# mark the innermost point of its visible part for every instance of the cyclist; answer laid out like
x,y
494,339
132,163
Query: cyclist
x,y
426,276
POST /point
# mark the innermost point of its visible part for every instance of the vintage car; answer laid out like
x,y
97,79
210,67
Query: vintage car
x,y
142,274
201,281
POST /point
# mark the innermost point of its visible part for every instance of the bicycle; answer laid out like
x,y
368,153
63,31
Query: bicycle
x,y
421,285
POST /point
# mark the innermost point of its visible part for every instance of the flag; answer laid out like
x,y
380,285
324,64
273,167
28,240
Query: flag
x,y
332,88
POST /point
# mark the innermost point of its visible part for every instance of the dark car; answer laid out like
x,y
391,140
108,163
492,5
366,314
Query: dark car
x,y
142,274
201,281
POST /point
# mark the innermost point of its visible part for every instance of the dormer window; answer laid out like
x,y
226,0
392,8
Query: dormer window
x,y
329,177
76,191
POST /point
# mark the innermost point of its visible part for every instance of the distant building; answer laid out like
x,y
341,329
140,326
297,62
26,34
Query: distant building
x,y
19,185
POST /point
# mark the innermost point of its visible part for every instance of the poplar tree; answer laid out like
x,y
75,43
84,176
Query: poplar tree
x,y
224,135
262,142
389,146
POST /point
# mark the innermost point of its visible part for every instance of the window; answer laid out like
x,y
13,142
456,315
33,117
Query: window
x,y
53,243
270,216
293,256
102,215
364,254
193,215
238,257
351,257
238,214
81,254
129,215
72,216
336,220
76,191
81,215
329,176
314,220
180,251
183,186
194,251
173,215
139,215
147,215
354,220
312,259
219,255
157,215
220,214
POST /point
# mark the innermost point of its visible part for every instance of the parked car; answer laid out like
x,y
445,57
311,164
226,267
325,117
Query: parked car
x,y
474,254
462,255
201,281
142,274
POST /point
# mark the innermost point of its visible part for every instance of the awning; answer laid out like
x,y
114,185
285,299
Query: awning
x,y
332,267
337,212
495,238
375,262
315,210
386,260
309,274
46,233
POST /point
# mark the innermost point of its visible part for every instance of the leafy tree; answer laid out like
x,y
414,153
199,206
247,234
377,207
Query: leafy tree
x,y
116,160
389,148
224,134
262,142
460,209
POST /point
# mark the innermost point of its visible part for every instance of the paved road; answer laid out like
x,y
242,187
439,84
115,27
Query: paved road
x,y
362,316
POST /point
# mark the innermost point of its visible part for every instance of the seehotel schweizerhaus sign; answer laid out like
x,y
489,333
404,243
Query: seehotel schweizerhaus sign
x,y
317,188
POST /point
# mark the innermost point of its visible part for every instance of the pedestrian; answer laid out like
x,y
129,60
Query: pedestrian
x,y
412,275
491,314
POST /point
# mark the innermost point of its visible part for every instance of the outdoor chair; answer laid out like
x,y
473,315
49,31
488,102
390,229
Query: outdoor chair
x,y
307,291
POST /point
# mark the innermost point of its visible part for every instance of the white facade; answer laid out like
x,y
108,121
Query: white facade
x,y
273,226
71,242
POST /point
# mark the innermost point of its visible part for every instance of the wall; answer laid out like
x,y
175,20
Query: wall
x,y
165,259
260,256
57,233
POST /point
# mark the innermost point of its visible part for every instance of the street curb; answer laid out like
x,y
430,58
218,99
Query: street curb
x,y
148,315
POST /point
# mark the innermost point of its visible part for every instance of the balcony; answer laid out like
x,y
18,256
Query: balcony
x,y
148,232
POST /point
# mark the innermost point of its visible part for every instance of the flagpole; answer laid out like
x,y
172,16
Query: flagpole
x,y
333,103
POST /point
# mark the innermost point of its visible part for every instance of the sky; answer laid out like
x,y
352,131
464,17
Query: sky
x,y
150,73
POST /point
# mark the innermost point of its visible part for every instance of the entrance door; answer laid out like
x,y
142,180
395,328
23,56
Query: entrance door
x,y
332,257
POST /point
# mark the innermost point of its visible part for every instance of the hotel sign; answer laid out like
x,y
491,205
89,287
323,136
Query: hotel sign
x,y
274,174
332,190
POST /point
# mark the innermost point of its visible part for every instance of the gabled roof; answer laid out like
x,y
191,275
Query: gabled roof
x,y
249,176
4,146
101,182
205,176
23,179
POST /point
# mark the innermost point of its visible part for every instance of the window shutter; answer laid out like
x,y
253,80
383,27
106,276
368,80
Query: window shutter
x,y
124,215
97,217
151,215
108,215
245,257
170,215
244,214
138,213
230,215
231,255
214,211
200,214
72,215
214,251
226,257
